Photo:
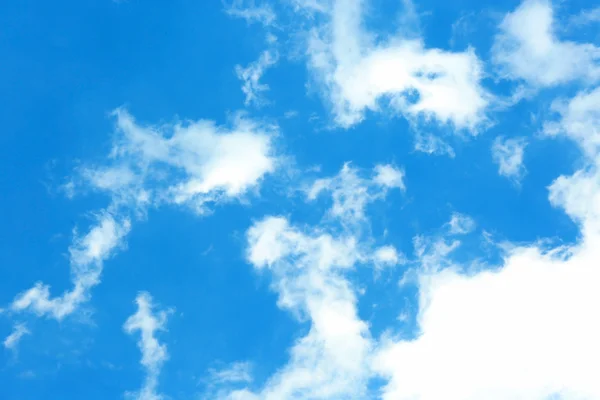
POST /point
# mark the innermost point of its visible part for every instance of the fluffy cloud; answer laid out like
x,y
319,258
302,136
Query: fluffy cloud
x,y
357,73
508,154
387,256
528,48
307,268
154,354
193,163
389,176
579,120
527,329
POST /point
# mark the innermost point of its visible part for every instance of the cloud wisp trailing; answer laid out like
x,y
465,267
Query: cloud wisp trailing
x,y
147,323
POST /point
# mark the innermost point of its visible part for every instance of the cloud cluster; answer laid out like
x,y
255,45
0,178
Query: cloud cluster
x,y
308,270
358,73
526,328
192,164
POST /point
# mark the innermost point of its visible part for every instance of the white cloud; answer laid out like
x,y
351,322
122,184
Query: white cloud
x,y
387,256
527,48
192,164
307,269
251,12
307,273
508,154
525,330
251,75
579,120
461,224
87,255
203,162
357,73
431,144
351,193
389,176
154,353
12,341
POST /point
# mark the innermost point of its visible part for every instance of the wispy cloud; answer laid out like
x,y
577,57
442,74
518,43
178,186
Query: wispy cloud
x,y
12,341
508,155
461,224
87,255
147,323
251,75
351,193
250,11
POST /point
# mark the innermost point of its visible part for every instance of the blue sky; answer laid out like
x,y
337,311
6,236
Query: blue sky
x,y
299,199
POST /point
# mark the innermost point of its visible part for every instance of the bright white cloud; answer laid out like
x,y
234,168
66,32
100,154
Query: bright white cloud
x,y
12,341
193,163
307,269
508,154
527,48
251,75
461,224
147,323
357,73
87,255
526,330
